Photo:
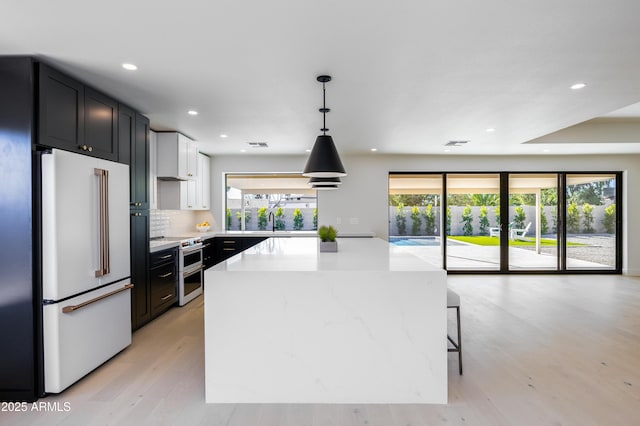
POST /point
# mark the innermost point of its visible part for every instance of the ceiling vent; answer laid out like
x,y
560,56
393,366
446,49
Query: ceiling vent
x,y
456,143
258,144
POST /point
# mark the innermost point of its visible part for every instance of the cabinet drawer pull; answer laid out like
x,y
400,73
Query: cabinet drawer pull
x,y
168,296
229,241
168,274
228,249
165,256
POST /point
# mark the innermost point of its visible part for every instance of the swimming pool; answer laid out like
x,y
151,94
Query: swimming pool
x,y
415,241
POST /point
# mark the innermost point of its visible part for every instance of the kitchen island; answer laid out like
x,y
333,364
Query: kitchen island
x,y
287,324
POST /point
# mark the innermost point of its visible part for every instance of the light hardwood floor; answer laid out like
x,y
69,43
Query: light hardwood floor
x,y
538,350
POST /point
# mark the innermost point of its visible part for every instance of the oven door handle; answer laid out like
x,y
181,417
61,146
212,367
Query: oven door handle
x,y
190,250
190,272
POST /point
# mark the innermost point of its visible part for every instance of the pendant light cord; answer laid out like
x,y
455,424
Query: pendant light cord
x,y
324,110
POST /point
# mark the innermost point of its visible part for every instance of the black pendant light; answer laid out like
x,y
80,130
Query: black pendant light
x,y
324,160
319,181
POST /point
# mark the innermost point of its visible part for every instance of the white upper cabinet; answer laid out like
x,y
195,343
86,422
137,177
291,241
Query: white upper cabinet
x,y
177,156
190,194
203,183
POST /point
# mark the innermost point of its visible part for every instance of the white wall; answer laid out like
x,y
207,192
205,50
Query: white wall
x,y
361,204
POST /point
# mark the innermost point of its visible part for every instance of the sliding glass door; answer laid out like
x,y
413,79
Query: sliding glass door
x,y
509,222
415,214
472,222
533,212
591,220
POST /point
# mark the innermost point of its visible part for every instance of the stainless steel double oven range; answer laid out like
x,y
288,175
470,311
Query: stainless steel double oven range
x,y
190,270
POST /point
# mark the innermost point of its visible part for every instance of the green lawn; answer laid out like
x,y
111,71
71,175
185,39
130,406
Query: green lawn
x,y
495,241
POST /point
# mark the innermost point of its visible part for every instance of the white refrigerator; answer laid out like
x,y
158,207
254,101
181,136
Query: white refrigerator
x,y
86,283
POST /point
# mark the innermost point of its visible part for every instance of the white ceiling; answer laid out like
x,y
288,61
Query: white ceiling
x,y
408,75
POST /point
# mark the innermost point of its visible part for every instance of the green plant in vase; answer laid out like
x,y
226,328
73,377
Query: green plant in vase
x,y
327,235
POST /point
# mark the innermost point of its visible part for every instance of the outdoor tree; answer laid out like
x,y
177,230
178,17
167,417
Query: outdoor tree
x,y
484,221
587,218
262,218
229,219
416,221
498,214
609,220
448,221
467,218
519,218
280,218
573,218
429,220
486,199
544,223
401,221
315,219
298,220
247,217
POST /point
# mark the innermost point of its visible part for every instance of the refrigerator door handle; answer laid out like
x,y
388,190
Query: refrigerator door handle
x,y
72,308
103,179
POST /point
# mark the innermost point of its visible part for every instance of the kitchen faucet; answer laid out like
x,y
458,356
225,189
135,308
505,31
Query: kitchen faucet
x,y
272,219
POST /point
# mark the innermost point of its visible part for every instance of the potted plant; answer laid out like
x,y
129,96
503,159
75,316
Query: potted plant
x,y
328,241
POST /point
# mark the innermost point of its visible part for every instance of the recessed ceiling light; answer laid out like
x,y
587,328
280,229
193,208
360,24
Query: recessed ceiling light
x,y
490,129
223,135
243,150
192,112
447,150
374,149
129,67
307,150
546,150
578,86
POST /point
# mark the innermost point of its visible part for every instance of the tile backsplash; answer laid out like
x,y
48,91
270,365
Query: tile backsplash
x,y
176,223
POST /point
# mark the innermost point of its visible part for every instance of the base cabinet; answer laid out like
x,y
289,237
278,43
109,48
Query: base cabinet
x,y
140,296
225,247
163,281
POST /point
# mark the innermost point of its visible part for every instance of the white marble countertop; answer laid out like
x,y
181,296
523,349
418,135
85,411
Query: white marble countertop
x,y
158,245
302,254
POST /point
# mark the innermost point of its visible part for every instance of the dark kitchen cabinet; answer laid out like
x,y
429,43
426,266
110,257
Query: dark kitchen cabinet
x,y
75,117
100,125
140,296
163,280
133,142
208,252
134,135
60,110
225,247
140,163
19,297
126,133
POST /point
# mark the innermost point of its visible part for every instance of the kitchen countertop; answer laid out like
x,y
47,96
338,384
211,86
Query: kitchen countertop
x,y
158,245
301,254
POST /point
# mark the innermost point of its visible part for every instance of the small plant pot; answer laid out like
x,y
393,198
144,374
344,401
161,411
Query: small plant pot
x,y
328,246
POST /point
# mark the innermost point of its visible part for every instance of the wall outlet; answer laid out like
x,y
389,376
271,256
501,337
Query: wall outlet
x,y
354,220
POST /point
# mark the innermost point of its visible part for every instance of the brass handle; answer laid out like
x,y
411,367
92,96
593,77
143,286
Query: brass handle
x,y
90,148
165,275
72,308
136,214
168,296
105,259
